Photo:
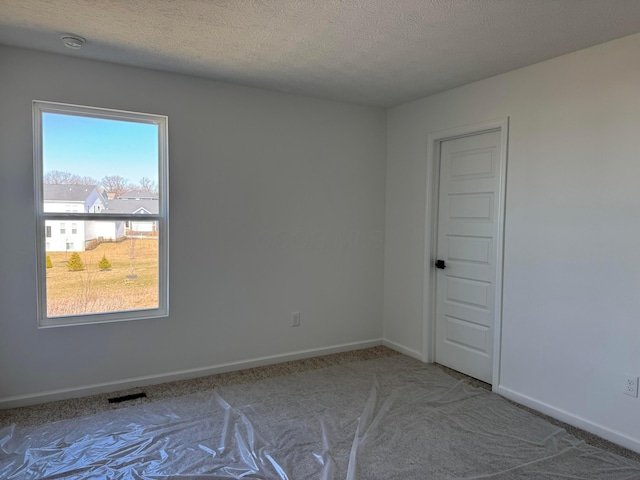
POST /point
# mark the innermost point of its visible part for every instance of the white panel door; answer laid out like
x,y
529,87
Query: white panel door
x,y
467,234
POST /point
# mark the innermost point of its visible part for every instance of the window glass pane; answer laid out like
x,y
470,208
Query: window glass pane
x,y
98,165
98,268
107,270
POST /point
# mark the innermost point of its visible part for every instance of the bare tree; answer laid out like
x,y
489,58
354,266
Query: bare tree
x,y
148,185
87,292
86,180
115,185
58,177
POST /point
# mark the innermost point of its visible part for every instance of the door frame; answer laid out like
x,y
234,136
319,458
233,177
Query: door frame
x,y
434,140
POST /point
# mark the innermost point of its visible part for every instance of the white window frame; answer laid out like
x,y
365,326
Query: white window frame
x,y
162,218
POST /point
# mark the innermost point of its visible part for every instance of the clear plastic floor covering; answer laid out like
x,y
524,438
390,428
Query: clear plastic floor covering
x,y
391,418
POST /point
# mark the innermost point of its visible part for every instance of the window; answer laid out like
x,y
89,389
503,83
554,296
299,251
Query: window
x,y
86,160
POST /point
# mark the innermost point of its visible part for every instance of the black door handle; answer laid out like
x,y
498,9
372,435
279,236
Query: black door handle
x,y
440,264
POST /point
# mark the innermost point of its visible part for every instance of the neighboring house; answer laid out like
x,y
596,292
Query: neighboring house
x,y
70,235
74,236
136,202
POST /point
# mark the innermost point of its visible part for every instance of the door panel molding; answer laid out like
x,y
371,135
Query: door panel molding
x,y
434,140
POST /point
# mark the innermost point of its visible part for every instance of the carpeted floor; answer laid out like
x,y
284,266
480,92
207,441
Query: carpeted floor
x,y
365,414
77,407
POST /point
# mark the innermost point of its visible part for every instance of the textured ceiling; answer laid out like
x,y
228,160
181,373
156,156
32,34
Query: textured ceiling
x,y
377,52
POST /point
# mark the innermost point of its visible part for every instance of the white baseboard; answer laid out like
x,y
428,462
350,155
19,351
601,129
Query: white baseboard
x,y
98,388
572,419
402,349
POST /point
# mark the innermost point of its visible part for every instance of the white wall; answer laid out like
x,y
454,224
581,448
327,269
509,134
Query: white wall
x,y
571,318
277,205
58,241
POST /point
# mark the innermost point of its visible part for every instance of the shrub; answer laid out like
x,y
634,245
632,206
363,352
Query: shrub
x,y
104,263
49,262
75,263
93,244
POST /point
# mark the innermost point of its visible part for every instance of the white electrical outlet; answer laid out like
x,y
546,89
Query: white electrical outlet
x,y
631,385
295,319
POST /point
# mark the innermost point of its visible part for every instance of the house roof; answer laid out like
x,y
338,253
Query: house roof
x,y
142,206
138,194
67,193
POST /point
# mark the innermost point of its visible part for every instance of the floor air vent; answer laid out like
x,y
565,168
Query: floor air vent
x,y
126,398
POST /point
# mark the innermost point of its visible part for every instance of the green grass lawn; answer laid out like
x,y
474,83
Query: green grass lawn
x,y
93,290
